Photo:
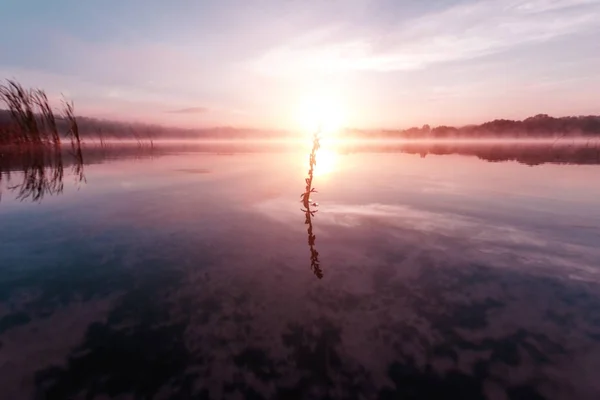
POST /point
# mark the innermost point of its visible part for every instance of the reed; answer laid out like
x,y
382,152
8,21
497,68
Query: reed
x,y
72,127
48,119
33,121
309,212
33,135
17,102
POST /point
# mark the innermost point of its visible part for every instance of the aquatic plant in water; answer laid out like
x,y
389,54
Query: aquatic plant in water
x,y
309,212
31,135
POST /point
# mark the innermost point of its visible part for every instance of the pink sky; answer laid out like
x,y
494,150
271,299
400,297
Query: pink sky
x,y
384,64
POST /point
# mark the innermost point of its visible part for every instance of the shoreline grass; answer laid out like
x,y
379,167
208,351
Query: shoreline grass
x,y
33,122
33,134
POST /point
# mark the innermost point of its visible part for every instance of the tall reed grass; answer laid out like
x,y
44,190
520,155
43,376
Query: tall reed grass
x,y
33,134
33,121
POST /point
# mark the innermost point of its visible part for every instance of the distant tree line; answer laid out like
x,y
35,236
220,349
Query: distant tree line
x,y
539,126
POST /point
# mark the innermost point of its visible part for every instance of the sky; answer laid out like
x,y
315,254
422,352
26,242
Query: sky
x,y
269,63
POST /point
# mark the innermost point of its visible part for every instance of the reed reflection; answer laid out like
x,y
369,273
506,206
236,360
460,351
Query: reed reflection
x,y
42,171
309,212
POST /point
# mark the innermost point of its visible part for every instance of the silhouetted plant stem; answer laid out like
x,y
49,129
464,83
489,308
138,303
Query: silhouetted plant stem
x,y
307,202
33,122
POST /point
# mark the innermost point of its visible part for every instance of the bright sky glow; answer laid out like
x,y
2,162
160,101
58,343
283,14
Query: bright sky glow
x,y
320,112
381,63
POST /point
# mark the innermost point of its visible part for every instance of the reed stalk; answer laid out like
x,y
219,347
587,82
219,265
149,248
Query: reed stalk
x,y
307,202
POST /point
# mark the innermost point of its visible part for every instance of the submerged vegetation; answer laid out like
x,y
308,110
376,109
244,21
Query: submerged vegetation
x,y
309,213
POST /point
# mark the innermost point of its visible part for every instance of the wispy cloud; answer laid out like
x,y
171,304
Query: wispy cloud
x,y
465,31
551,5
216,62
189,110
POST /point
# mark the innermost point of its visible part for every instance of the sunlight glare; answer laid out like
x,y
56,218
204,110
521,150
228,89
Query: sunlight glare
x,y
326,162
320,111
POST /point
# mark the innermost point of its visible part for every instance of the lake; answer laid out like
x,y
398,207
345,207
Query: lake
x,y
183,273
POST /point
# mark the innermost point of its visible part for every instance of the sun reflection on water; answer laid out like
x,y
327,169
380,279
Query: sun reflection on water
x,y
327,160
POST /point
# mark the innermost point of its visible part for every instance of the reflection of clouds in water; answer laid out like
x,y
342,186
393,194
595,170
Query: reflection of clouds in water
x,y
219,297
396,314
62,332
479,239
454,324
440,186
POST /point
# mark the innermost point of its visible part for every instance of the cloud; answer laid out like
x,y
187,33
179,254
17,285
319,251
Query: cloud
x,y
551,5
462,32
189,110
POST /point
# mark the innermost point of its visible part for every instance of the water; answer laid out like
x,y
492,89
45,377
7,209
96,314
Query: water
x,y
187,274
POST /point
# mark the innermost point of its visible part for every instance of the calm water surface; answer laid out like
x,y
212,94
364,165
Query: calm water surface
x,y
188,275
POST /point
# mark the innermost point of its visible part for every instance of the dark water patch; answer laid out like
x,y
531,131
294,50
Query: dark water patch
x,y
209,308
139,350
138,360
524,393
316,354
471,316
412,382
258,362
13,320
80,274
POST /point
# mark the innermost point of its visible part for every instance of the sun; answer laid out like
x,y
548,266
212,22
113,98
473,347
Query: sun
x,y
320,112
